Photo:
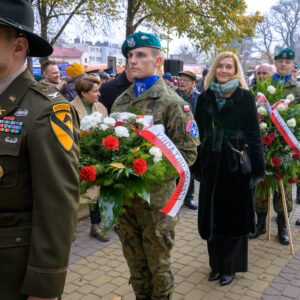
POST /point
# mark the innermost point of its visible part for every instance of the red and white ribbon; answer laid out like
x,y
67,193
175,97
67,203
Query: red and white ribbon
x,y
156,136
279,122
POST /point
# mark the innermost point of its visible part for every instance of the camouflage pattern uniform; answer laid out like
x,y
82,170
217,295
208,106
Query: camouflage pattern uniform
x,y
146,234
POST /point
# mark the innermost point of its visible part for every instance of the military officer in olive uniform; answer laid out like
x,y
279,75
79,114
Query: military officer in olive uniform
x,y
146,234
39,182
284,62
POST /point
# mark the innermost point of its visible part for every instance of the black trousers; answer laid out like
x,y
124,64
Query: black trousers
x,y
228,255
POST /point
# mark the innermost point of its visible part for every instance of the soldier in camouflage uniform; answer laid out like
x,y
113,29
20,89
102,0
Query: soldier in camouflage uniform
x,y
284,62
146,234
39,181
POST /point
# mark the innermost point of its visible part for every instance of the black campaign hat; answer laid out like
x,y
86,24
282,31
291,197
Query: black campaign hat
x,y
18,14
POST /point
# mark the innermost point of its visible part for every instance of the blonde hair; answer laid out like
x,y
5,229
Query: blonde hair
x,y
211,75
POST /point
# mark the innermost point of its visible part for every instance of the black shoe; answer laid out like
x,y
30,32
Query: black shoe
x,y
213,276
282,232
226,279
260,227
297,222
190,203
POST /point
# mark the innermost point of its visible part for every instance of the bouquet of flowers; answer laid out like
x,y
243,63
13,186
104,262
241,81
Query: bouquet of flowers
x,y
114,157
280,142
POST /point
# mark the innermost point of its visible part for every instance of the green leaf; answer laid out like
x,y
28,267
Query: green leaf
x,y
140,188
110,206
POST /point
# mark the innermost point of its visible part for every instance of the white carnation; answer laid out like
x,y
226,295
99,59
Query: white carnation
x,y
291,122
157,159
262,111
122,131
271,89
281,107
109,121
103,126
263,125
155,151
290,97
122,116
97,116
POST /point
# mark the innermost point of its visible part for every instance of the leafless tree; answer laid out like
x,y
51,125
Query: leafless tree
x,y
286,17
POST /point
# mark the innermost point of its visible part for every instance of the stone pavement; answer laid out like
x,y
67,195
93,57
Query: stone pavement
x,y
99,271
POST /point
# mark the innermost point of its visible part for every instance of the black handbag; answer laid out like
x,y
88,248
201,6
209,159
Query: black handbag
x,y
244,161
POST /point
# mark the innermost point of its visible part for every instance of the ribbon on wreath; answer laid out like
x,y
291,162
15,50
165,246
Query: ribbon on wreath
x,y
156,136
279,122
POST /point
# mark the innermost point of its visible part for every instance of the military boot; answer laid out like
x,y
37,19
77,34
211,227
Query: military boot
x,y
98,234
298,195
282,232
260,227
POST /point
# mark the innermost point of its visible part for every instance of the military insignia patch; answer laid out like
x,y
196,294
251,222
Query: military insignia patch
x,y
61,106
192,128
186,107
131,42
62,127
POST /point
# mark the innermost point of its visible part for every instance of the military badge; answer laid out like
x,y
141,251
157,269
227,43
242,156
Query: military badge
x,y
21,112
8,124
143,37
62,127
62,106
192,128
284,55
11,140
131,42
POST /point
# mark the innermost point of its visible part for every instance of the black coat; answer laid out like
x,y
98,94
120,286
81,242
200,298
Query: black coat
x,y
112,89
226,206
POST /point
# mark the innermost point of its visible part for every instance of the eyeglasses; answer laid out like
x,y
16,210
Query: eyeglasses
x,y
262,73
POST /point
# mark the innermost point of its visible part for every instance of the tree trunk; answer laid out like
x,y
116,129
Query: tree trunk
x,y
130,17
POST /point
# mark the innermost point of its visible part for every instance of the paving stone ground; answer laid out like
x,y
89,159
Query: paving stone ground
x,y
99,271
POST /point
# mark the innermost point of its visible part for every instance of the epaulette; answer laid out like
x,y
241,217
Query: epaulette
x,y
48,92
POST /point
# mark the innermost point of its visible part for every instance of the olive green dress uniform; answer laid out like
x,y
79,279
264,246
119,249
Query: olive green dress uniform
x,y
146,234
39,190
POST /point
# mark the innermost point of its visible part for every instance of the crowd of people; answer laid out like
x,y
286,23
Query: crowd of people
x,y
39,138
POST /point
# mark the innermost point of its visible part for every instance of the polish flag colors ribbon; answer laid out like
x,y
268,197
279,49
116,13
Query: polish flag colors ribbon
x,y
279,122
156,136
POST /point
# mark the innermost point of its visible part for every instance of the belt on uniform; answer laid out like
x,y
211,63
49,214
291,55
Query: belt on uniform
x,y
14,218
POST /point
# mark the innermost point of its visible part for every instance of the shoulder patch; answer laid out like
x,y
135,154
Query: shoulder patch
x,y
62,127
192,128
61,106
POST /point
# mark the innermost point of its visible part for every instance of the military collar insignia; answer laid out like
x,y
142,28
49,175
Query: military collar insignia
x,y
53,95
131,42
12,98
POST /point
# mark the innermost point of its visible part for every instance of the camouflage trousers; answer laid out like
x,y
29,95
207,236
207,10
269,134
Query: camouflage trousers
x,y
261,204
147,237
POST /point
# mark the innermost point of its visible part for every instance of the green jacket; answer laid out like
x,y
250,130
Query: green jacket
x,y
292,87
168,109
39,189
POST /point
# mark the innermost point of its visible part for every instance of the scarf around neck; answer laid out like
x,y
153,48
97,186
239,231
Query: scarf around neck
x,y
282,78
221,89
143,84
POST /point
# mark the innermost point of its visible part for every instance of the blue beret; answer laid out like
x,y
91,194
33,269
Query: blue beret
x,y
286,53
140,39
167,76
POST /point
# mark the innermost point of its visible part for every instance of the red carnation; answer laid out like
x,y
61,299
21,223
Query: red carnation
x,y
267,140
139,166
276,161
293,180
88,174
278,175
111,142
272,136
119,123
84,132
